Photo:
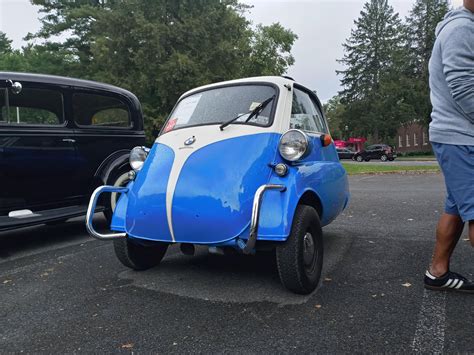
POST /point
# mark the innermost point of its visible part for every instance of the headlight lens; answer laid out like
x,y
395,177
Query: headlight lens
x,y
293,145
137,157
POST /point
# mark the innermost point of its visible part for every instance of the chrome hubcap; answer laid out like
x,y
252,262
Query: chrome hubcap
x,y
308,249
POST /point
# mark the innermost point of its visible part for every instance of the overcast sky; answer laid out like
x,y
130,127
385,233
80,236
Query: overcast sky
x,y
321,25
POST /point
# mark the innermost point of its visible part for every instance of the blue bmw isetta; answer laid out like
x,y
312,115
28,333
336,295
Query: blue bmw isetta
x,y
246,165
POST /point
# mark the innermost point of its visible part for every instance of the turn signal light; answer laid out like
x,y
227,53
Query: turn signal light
x,y
326,140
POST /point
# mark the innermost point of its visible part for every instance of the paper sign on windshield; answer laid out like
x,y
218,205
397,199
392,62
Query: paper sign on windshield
x,y
186,109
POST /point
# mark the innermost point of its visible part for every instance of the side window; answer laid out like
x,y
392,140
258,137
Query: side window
x,y
32,106
100,111
305,115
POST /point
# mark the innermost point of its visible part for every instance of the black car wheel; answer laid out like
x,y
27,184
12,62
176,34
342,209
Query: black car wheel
x,y
137,256
359,158
300,258
384,157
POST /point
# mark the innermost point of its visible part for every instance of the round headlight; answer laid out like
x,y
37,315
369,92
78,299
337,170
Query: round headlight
x,y
293,145
137,157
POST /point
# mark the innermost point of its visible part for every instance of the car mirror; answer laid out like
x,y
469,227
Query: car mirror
x,y
15,87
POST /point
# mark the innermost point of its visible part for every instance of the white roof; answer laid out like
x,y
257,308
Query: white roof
x,y
277,80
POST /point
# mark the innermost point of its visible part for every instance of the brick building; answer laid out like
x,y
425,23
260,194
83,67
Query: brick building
x,y
413,137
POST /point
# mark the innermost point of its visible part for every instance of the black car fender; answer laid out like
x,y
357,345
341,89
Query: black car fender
x,y
117,161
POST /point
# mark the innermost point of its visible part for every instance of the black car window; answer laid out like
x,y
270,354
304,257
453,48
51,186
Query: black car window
x,y
305,115
32,106
100,111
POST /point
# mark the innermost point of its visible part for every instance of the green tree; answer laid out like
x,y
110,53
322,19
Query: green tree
x,y
5,43
160,48
419,30
369,57
270,52
334,111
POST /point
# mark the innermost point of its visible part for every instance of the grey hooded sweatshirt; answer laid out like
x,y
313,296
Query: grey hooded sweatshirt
x,y
452,80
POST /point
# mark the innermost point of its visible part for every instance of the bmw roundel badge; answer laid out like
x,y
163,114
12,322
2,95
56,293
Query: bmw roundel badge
x,y
190,141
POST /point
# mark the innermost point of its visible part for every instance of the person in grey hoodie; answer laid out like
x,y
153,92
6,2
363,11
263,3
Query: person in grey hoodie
x,y
452,136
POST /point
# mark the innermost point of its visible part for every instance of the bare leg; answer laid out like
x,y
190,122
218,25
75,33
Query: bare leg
x,y
471,232
448,232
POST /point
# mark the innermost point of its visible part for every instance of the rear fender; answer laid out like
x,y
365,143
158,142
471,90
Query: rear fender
x,y
115,161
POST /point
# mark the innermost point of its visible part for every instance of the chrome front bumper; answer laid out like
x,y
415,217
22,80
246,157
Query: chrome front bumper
x,y
257,201
246,248
91,210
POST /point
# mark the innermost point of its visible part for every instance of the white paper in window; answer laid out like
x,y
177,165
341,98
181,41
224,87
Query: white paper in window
x,y
186,109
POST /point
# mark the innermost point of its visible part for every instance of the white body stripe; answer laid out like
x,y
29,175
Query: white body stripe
x,y
460,284
454,283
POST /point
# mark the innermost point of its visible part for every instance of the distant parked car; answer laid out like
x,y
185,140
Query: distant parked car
x,y
60,138
384,152
345,153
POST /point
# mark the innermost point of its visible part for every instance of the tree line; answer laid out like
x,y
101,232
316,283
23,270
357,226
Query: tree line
x,y
155,48
160,48
385,75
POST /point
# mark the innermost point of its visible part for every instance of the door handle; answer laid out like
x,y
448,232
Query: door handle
x,y
69,140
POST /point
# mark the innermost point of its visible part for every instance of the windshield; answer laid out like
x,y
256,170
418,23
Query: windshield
x,y
219,105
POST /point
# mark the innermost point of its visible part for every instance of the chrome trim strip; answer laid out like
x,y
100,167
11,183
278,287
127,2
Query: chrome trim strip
x,y
257,201
91,209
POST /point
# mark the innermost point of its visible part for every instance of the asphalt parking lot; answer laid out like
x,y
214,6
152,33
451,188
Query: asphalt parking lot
x,y
61,291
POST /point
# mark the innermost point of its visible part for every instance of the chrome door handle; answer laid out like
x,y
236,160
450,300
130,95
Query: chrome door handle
x,y
69,140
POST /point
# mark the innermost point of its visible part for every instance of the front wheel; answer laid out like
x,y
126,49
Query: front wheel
x,y
383,158
300,258
137,256
359,158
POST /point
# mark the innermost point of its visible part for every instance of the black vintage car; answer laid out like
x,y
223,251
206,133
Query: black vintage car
x,y
384,152
345,153
59,139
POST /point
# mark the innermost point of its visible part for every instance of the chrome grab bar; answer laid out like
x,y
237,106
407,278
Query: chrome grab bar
x,y
257,201
91,210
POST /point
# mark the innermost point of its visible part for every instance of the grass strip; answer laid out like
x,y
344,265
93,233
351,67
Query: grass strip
x,y
364,168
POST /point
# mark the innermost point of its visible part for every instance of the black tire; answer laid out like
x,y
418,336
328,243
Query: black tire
x,y
118,179
300,272
384,157
137,256
359,158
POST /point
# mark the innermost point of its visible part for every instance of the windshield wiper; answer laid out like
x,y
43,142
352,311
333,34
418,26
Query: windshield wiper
x,y
253,113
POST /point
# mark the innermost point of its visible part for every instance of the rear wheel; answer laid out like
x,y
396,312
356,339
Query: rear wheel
x,y
300,258
137,256
384,157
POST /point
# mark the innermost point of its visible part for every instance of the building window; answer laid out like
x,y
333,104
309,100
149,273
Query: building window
x,y
425,138
400,142
408,140
415,139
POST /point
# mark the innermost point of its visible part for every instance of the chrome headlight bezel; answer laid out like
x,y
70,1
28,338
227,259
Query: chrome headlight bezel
x,y
300,145
137,157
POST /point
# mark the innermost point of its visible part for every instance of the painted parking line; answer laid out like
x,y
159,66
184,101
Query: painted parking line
x,y
431,325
